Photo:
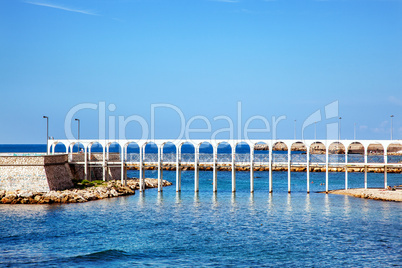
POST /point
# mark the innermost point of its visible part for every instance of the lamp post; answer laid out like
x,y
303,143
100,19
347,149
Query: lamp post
x,y
78,120
339,134
392,116
295,129
354,136
47,133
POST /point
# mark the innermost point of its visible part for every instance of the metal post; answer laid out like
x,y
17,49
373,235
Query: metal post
x,y
392,116
47,134
78,120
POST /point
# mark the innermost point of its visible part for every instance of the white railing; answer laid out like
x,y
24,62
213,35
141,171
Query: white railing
x,y
245,158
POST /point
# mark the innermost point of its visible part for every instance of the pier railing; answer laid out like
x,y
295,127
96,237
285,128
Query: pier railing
x,y
240,158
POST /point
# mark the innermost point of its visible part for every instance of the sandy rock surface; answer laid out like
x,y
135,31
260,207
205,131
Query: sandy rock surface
x,y
377,194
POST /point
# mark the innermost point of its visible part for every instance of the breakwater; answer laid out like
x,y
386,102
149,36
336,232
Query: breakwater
x,y
88,192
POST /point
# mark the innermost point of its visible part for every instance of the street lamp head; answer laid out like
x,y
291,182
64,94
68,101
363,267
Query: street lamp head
x,y
76,119
45,116
392,115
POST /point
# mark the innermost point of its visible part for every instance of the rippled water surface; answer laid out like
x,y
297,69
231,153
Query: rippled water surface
x,y
207,229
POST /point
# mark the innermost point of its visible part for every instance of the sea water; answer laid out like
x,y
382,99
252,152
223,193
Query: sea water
x,y
172,229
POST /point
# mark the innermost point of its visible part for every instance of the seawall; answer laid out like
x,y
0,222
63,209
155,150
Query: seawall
x,y
35,173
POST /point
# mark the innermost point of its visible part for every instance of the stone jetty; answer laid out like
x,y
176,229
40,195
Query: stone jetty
x,y
90,191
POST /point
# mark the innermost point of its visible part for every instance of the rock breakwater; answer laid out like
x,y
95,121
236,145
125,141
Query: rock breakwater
x,y
106,190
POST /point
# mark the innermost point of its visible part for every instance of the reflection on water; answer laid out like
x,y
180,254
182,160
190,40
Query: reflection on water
x,y
178,198
327,207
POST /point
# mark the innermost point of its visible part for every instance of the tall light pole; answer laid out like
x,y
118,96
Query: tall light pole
x,y
339,135
354,136
78,120
47,133
295,129
392,116
315,130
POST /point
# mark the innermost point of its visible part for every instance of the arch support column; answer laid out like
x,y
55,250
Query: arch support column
x,y
326,170
251,169
142,175
289,166
233,170
178,169
104,164
308,170
271,165
196,171
160,170
215,170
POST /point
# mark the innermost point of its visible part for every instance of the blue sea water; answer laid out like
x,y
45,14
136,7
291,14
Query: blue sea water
x,y
172,229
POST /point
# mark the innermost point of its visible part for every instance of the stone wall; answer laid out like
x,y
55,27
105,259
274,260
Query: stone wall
x,y
35,173
95,173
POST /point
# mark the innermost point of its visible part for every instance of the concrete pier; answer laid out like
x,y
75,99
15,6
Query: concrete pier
x,y
289,155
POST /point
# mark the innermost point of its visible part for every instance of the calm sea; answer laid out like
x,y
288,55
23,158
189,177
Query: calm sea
x,y
205,229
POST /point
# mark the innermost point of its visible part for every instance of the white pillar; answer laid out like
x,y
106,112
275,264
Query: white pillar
x,y
326,170
104,165
365,176
86,164
365,168
270,170
289,158
160,171
215,170
233,170
385,167
53,147
196,171
251,169
308,170
178,169
142,169
122,166
122,172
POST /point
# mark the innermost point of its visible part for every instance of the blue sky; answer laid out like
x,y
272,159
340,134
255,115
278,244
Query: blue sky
x,y
278,58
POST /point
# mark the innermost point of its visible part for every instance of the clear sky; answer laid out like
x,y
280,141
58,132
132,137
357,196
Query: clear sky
x,y
278,58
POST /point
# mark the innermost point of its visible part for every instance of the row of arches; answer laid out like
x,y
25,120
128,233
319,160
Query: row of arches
x,y
354,152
